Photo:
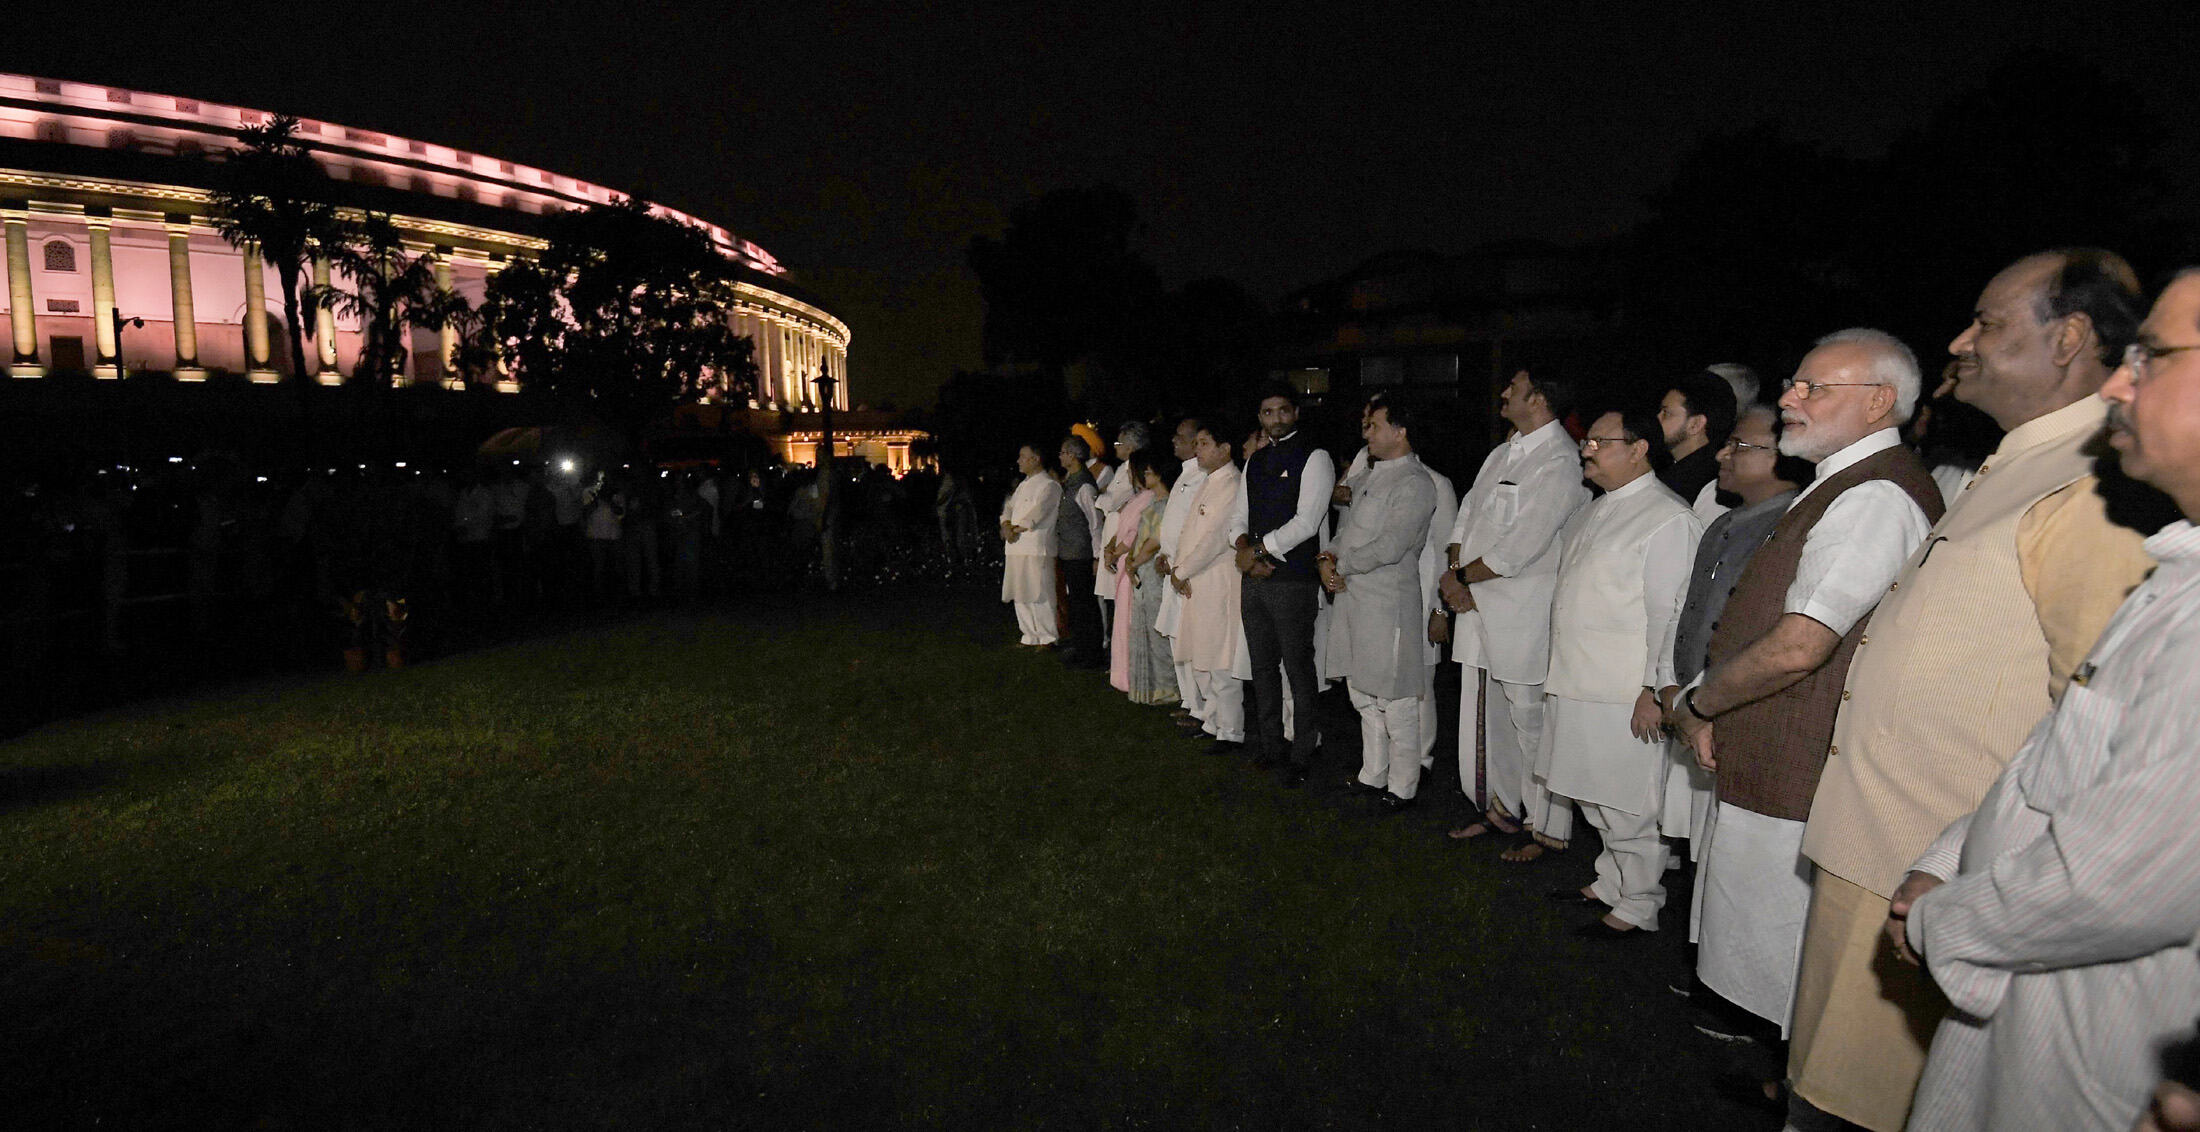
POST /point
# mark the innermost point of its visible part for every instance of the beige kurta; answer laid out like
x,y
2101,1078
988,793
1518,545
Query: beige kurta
x,y
1210,633
1963,656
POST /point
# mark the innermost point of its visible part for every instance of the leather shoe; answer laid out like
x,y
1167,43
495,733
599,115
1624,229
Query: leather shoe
x,y
1225,747
1393,804
1293,777
1599,931
1573,896
1353,785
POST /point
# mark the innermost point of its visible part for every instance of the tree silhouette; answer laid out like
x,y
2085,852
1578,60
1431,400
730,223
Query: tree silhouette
x,y
390,292
1063,283
271,193
625,311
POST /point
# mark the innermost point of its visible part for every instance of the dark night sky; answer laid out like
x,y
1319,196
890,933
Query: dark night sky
x,y
1274,143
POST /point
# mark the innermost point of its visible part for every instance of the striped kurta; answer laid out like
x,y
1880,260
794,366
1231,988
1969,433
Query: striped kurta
x,y
2065,941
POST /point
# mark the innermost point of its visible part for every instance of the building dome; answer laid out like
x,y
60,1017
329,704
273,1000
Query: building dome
x,y
107,209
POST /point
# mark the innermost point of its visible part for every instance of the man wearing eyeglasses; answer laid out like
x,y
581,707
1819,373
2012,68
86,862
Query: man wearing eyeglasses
x,y
1623,569
1972,645
1762,712
2060,917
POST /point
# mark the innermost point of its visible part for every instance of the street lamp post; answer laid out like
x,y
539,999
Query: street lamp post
x,y
122,376
828,555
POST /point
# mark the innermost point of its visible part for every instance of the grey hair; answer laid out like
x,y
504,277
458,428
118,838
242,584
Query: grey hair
x,y
1134,433
1893,364
1760,409
1077,446
1742,379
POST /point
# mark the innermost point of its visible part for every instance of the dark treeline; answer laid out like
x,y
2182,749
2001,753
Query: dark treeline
x,y
1760,242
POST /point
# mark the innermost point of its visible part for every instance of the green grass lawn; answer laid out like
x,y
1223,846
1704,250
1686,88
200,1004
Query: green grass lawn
x,y
819,865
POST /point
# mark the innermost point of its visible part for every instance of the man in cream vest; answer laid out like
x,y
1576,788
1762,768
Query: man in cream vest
x,y
1972,645
1623,573
1503,558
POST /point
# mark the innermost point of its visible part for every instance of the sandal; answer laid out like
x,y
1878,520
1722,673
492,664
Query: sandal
x,y
1529,850
1489,822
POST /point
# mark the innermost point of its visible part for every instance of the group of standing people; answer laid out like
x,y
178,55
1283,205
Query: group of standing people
x,y
1925,733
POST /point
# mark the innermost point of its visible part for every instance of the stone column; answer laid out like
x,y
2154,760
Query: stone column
x,y
324,330
179,285
104,331
446,339
22,316
257,367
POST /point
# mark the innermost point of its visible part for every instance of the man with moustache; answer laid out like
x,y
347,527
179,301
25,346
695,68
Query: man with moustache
x,y
1623,572
1503,557
1761,714
1972,645
2061,917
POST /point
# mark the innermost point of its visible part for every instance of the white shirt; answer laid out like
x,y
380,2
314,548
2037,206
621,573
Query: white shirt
x,y
1510,518
1316,481
1868,534
2065,932
1507,539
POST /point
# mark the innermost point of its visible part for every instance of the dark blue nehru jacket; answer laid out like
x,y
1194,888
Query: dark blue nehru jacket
x,y
1272,499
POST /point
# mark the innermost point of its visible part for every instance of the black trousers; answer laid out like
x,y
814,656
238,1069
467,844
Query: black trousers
x,y
1083,612
1279,642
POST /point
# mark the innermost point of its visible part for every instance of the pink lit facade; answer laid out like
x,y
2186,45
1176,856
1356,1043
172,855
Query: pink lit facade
x,y
97,223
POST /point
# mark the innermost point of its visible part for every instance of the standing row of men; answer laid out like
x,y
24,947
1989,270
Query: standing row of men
x,y
1932,753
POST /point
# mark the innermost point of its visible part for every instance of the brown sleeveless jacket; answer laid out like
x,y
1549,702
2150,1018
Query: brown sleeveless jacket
x,y
1771,751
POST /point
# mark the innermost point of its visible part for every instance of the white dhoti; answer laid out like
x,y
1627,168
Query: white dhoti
x,y
1687,798
1428,716
1511,737
1390,742
1752,900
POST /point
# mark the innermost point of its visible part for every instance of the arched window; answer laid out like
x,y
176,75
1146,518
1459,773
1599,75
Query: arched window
x,y
61,256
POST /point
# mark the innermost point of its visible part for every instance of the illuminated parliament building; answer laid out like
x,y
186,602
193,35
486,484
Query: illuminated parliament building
x,y
113,262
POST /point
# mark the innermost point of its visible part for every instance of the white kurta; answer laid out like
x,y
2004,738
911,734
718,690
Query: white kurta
x,y
1588,753
1181,496
1510,519
2066,939
1028,574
